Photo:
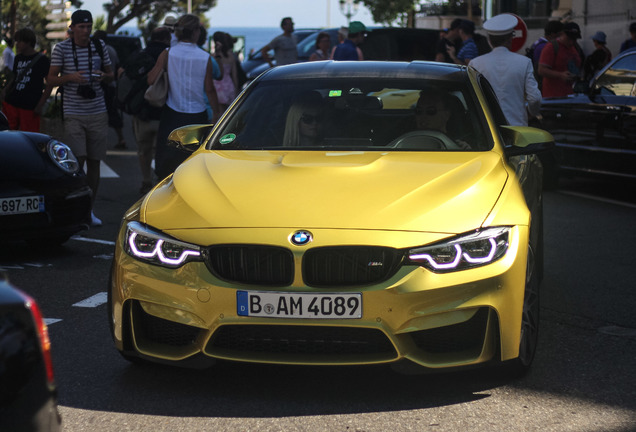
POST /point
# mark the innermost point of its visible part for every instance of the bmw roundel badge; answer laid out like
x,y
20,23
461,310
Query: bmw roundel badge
x,y
301,238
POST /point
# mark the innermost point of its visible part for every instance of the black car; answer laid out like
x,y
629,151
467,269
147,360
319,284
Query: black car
x,y
44,195
28,399
595,131
381,43
125,46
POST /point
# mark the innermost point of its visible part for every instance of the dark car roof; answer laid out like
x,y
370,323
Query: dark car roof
x,y
367,69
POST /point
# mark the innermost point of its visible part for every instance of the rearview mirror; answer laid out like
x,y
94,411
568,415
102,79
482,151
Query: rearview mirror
x,y
524,140
189,137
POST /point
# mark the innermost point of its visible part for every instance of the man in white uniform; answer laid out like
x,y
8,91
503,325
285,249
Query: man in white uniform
x,y
510,74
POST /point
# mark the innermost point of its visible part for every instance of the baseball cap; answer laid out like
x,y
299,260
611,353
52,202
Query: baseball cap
x,y
356,27
81,16
170,21
572,29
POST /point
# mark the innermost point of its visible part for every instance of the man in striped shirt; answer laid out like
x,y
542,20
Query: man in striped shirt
x,y
79,67
468,50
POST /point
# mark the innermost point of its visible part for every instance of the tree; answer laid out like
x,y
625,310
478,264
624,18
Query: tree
x,y
391,11
149,13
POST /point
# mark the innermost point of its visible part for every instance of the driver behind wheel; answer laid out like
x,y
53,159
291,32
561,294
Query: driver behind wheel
x,y
433,111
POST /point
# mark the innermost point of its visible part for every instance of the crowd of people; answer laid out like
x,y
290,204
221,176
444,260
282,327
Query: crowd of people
x,y
203,85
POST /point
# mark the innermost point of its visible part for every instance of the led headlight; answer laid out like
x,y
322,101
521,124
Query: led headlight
x,y
463,252
62,156
154,247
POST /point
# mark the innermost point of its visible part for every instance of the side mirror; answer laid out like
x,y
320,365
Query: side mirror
x,y
523,140
189,137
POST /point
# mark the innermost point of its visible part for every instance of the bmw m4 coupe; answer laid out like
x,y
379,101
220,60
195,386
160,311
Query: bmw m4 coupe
x,y
340,213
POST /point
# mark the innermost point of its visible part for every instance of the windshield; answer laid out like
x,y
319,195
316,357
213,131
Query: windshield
x,y
356,114
619,79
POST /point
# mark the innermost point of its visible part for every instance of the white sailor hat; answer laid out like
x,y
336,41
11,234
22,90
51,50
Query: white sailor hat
x,y
501,25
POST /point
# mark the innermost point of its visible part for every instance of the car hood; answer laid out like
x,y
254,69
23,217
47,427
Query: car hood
x,y
414,191
21,158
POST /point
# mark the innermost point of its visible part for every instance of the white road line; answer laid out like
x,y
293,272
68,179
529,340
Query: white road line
x,y
94,301
49,321
106,172
90,240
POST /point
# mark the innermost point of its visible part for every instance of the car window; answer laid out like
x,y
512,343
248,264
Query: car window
x,y
355,114
619,79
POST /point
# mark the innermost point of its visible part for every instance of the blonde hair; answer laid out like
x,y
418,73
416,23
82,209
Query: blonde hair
x,y
299,107
186,26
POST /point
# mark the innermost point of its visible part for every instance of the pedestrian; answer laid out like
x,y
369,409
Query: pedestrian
x,y
511,75
77,66
561,67
349,49
450,38
115,119
323,45
169,23
284,45
217,72
599,58
551,31
227,87
468,50
146,123
8,56
26,96
629,44
342,34
189,70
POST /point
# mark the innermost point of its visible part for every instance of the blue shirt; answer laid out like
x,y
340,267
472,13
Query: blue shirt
x,y
629,44
468,51
346,51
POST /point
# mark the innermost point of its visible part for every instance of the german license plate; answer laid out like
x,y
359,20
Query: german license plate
x,y
299,305
21,205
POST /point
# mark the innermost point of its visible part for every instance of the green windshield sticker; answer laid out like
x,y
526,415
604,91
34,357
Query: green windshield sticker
x,y
226,139
335,93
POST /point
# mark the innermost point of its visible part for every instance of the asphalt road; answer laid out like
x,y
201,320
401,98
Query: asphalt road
x,y
583,378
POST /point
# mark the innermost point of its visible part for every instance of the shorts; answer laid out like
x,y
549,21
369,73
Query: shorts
x,y
21,119
87,135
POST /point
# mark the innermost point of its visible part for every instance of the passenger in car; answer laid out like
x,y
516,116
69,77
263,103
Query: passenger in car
x,y
305,121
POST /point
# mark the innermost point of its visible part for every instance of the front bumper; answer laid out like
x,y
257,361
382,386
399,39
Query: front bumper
x,y
434,320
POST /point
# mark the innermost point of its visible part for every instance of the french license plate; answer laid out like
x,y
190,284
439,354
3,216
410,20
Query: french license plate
x,y
299,305
21,205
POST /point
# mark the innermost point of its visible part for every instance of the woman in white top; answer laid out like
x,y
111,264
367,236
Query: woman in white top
x,y
189,70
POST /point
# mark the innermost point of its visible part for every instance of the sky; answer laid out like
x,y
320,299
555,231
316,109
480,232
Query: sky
x,y
268,13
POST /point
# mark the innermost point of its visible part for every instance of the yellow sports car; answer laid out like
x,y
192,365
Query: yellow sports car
x,y
340,213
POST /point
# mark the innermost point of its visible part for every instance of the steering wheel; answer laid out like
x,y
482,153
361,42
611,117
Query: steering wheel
x,y
424,140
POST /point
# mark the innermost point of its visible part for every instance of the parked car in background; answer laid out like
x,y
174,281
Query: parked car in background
x,y
595,132
255,59
381,43
340,213
44,195
28,395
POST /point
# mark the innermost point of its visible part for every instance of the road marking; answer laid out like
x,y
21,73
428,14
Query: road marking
x,y
106,172
618,331
94,301
596,198
49,321
91,240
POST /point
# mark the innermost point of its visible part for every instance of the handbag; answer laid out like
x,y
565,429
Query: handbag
x,y
157,93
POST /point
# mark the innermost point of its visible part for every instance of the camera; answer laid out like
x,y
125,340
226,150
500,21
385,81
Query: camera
x,y
86,91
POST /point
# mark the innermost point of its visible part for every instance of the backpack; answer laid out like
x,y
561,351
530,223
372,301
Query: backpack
x,y
132,84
